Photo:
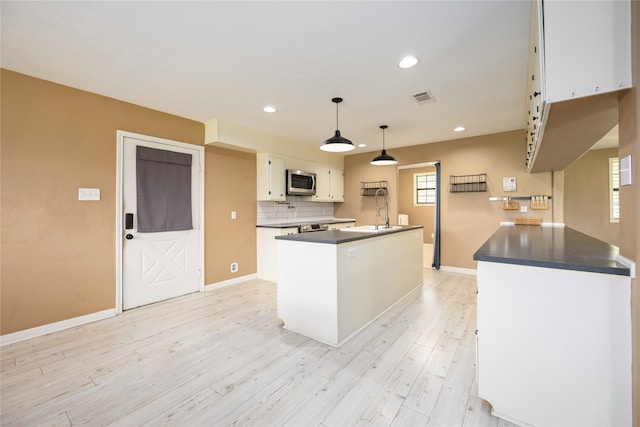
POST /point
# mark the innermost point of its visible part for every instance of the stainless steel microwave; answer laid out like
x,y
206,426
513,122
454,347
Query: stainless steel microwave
x,y
301,183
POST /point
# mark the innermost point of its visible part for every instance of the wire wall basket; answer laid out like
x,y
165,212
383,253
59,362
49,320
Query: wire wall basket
x,y
369,188
468,183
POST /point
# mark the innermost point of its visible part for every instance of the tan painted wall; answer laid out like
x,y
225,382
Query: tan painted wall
x,y
468,219
58,253
230,185
586,196
418,215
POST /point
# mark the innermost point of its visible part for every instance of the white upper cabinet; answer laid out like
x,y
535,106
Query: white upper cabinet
x,y
579,60
329,184
270,177
323,184
337,185
587,48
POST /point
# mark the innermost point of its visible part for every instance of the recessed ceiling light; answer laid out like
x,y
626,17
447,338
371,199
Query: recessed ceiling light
x,y
362,145
408,62
459,129
269,109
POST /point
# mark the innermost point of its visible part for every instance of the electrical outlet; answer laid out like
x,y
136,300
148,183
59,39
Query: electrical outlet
x,y
234,267
233,214
523,208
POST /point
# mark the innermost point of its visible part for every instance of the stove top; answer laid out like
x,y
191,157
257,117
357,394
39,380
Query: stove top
x,y
306,228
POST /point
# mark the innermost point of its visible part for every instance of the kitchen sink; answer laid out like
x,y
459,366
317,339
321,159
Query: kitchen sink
x,y
372,228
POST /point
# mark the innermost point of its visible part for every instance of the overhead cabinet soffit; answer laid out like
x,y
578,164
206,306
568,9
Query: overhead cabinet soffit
x,y
579,62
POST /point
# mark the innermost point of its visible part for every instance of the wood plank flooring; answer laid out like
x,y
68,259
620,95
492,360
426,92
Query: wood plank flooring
x,y
221,358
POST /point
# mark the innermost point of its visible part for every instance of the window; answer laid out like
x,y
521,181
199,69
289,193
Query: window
x,y
614,189
424,189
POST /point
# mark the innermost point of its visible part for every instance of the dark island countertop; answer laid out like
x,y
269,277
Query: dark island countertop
x,y
335,237
551,247
301,222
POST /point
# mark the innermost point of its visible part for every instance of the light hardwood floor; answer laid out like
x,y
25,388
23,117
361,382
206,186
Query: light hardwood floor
x,y
221,358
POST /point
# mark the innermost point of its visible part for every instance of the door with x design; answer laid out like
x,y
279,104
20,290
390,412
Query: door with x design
x,y
162,264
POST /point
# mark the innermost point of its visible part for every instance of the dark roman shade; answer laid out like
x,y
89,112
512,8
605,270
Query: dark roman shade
x,y
163,182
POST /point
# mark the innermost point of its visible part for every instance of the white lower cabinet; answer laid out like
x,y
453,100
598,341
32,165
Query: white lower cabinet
x,y
554,345
267,250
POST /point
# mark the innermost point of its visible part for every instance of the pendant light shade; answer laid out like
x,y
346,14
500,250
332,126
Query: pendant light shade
x,y
337,143
383,159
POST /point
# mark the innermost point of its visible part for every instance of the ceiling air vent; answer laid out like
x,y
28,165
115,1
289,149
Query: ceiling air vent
x,y
423,97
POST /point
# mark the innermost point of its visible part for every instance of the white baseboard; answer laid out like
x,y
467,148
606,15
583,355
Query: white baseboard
x,y
471,271
55,327
229,282
82,320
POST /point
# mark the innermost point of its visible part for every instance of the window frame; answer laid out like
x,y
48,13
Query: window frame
x,y
614,189
431,191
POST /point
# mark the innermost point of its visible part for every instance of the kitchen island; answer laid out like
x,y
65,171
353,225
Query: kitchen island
x,y
554,328
331,284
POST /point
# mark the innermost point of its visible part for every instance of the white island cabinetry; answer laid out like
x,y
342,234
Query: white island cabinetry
x,y
331,284
554,329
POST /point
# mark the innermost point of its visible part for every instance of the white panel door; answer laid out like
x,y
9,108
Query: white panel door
x,y
160,265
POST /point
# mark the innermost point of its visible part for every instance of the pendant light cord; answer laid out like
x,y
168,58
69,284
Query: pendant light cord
x,y
383,127
383,139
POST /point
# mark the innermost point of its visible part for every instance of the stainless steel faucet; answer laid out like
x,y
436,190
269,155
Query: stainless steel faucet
x,y
386,207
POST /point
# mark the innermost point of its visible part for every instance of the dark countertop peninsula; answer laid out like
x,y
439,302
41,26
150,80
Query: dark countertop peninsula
x,y
336,236
551,247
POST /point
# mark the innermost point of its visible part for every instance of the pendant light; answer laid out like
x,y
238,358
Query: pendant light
x,y
383,159
337,143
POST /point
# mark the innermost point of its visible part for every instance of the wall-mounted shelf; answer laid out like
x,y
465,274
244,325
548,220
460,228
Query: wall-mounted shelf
x,y
538,202
369,188
509,204
468,183
501,198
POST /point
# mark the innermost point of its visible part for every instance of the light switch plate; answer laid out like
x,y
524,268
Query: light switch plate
x,y
88,194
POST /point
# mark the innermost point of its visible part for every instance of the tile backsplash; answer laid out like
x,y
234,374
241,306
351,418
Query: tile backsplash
x,y
293,210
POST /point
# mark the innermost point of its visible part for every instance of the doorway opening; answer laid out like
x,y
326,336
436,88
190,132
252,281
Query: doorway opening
x,y
419,199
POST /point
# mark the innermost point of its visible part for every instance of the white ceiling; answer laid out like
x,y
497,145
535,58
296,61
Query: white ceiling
x,y
227,60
